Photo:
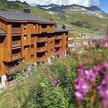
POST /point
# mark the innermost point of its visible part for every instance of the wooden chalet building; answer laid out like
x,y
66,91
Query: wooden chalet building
x,y
25,37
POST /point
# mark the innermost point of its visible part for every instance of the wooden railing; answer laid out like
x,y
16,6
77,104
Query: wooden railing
x,y
58,44
58,37
16,30
42,49
16,43
43,30
44,39
50,29
16,56
43,58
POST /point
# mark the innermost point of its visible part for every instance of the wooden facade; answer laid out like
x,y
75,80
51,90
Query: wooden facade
x,y
29,42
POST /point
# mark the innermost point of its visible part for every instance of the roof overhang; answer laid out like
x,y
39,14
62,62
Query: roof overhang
x,y
27,21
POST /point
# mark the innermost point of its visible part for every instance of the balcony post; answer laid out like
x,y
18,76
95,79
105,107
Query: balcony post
x,y
65,53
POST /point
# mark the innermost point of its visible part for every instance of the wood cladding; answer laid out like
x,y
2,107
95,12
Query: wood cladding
x,y
29,43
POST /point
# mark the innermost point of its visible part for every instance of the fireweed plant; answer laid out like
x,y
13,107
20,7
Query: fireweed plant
x,y
91,84
87,78
64,83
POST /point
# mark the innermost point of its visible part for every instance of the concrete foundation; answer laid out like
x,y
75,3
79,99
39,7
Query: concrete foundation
x,y
35,64
29,67
3,82
49,60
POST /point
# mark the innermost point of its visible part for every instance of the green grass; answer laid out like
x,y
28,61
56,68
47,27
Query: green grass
x,y
37,90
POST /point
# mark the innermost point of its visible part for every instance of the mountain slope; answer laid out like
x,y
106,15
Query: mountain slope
x,y
4,4
58,8
93,10
84,19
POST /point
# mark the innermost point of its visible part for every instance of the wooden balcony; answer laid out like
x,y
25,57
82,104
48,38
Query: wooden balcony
x,y
50,38
16,30
16,43
26,42
18,67
42,49
58,44
58,37
51,54
44,39
50,46
32,50
16,56
50,29
33,40
43,58
43,30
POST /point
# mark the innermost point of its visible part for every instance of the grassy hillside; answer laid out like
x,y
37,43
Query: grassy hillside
x,y
83,23
4,4
50,85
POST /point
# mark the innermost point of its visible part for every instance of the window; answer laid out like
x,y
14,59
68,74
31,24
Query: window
x,y
34,26
51,50
51,42
46,44
25,37
32,46
32,56
27,46
33,35
25,26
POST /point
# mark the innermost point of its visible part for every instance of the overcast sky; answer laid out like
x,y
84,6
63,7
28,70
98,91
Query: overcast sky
x,y
64,2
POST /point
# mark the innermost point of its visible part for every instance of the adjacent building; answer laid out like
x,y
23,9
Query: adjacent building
x,y
25,37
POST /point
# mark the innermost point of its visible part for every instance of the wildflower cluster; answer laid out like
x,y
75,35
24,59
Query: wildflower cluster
x,y
104,43
84,80
103,91
55,81
87,77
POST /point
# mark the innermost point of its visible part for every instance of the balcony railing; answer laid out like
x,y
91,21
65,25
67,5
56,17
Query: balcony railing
x,y
16,43
16,30
51,53
43,30
33,40
16,56
44,39
26,42
58,37
43,58
50,30
42,49
50,46
58,44
33,50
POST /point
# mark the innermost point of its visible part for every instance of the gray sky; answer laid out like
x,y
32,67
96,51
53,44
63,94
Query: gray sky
x,y
64,2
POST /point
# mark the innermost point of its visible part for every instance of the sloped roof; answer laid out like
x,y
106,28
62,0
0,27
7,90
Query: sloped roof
x,y
16,16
